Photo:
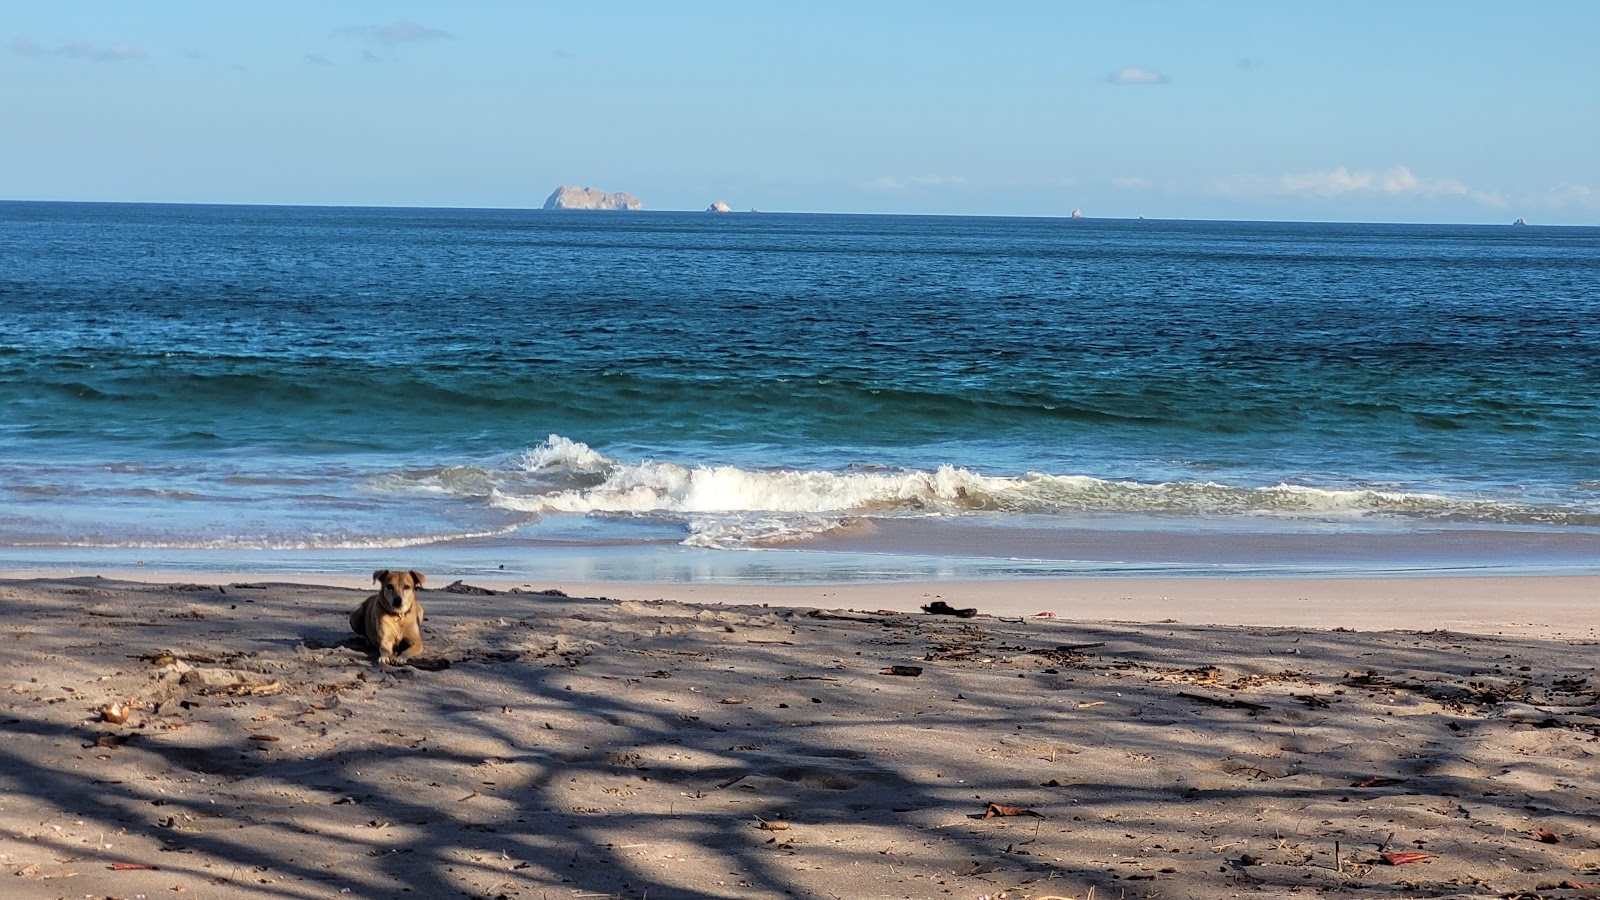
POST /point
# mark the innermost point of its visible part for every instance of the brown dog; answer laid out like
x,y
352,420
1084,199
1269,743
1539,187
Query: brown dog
x,y
391,619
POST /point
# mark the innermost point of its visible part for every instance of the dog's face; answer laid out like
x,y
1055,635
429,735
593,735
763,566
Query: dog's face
x,y
397,590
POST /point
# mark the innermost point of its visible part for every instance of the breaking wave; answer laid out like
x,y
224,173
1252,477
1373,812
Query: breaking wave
x,y
728,506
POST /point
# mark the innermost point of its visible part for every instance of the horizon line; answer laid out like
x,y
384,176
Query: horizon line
x,y
1520,222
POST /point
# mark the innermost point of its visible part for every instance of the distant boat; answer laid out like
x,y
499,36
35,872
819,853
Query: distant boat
x,y
1077,214
1520,221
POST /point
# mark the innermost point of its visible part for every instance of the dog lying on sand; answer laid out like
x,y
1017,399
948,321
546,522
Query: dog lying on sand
x,y
391,619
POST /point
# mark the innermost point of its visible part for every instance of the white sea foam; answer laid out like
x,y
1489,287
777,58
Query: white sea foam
x,y
729,506
253,543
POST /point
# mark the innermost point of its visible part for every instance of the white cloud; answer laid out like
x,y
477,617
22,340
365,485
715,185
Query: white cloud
x,y
1137,75
78,50
1130,182
394,33
1399,181
1396,182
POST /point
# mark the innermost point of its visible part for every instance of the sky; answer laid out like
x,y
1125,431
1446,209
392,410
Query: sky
x,y
1463,111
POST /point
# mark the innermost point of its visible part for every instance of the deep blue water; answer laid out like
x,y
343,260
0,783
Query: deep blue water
x,y
200,379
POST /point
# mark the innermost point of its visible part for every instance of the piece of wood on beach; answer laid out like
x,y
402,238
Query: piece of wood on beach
x,y
941,608
909,671
460,587
844,616
1063,653
994,810
1225,703
945,654
1377,781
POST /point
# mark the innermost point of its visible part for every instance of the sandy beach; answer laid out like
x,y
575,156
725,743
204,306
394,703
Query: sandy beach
x,y
1206,738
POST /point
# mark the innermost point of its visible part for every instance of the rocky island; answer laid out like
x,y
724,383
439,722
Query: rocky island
x,y
588,198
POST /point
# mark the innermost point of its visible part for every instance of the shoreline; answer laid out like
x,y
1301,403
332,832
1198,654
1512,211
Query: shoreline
x,y
906,550
1550,606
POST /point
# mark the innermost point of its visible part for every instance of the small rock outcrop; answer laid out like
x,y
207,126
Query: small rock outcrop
x,y
719,207
588,198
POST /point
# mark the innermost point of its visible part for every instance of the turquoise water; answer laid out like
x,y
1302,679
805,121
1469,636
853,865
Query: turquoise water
x,y
688,395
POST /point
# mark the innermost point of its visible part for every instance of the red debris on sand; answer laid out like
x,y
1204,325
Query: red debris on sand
x,y
132,867
1376,781
1400,859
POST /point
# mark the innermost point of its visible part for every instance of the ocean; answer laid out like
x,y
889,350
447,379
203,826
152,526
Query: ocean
x,y
762,397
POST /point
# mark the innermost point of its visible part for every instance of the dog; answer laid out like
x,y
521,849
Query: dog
x,y
391,619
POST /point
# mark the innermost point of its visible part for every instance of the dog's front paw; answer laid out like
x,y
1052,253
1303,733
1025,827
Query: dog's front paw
x,y
388,659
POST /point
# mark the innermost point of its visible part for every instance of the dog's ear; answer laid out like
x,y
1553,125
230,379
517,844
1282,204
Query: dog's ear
x,y
417,577
380,575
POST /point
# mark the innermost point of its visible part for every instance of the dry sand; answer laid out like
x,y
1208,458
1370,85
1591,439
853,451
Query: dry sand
x,y
653,748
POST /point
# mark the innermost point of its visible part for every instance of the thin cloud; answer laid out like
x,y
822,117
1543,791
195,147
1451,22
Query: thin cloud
x,y
78,50
890,183
113,53
1138,75
1338,181
1130,182
1566,195
394,34
1396,182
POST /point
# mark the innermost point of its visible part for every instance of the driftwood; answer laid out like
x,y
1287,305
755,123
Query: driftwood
x,y
1228,704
